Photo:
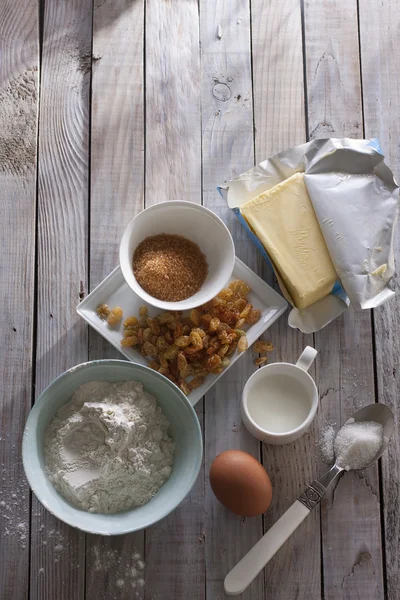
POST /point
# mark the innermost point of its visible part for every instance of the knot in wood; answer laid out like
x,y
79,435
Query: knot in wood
x,y
222,92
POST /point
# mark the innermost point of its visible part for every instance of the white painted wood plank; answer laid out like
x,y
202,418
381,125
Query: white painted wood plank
x,y
278,76
280,123
334,92
57,551
228,149
117,179
174,547
351,536
380,61
19,90
117,138
173,129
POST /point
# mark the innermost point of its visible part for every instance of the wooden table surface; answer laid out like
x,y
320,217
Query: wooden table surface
x,y
111,107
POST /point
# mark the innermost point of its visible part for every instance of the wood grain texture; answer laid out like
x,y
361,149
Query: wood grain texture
x,y
277,76
117,194
228,149
175,563
117,129
351,536
57,551
19,90
173,125
280,123
380,62
333,69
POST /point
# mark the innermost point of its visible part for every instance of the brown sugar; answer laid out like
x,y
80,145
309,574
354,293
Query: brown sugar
x,y
169,267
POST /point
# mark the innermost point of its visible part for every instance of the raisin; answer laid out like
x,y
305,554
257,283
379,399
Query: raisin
x,y
213,362
243,344
261,347
149,350
260,361
214,324
195,317
254,316
115,316
196,339
129,342
182,341
103,311
130,322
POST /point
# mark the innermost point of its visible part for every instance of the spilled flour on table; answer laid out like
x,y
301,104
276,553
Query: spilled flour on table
x,y
123,571
14,507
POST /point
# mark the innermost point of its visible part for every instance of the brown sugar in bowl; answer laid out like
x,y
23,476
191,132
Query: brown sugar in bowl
x,y
193,222
169,267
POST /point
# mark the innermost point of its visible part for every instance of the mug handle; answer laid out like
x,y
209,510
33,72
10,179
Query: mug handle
x,y
306,358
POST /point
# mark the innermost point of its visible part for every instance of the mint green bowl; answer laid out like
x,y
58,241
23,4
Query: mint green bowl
x,y
184,430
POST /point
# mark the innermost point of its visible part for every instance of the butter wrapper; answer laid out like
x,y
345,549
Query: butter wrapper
x,y
355,199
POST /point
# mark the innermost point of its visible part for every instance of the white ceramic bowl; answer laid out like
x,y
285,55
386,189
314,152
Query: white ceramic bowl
x,y
184,430
197,224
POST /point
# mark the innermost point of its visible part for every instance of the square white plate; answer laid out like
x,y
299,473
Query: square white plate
x,y
114,291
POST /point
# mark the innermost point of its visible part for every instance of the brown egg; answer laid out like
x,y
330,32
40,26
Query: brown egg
x,y
240,483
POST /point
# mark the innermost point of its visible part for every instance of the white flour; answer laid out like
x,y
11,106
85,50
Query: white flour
x,y
124,570
107,449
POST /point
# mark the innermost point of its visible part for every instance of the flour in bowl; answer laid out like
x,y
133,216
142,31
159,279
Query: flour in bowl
x,y
107,449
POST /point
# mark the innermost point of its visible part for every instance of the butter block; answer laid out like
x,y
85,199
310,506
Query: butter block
x,y
284,220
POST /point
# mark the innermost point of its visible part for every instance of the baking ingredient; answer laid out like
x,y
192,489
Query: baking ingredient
x,y
124,569
107,449
279,403
326,442
240,483
260,361
284,220
14,524
357,444
187,348
103,311
169,267
113,316
262,347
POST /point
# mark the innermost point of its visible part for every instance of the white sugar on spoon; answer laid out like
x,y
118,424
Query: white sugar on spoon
x,y
357,444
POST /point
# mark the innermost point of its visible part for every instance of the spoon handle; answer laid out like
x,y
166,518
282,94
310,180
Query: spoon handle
x,y
253,562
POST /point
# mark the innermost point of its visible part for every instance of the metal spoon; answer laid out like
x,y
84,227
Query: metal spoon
x,y
255,560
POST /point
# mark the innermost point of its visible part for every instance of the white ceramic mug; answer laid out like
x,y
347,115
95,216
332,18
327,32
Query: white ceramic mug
x,y
291,376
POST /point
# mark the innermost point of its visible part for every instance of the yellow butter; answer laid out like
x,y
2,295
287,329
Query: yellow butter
x,y
284,220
